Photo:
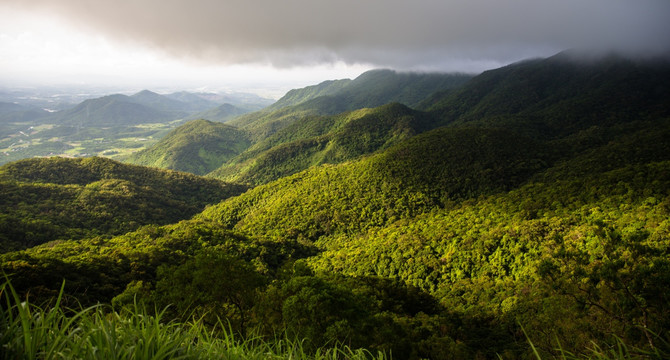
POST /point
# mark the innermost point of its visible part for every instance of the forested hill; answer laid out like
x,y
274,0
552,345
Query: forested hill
x,y
555,99
325,123
58,198
198,147
559,95
317,140
298,96
371,89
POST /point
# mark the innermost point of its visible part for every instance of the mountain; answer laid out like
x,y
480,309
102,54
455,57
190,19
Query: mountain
x,y
111,110
333,139
198,147
282,124
57,198
13,113
560,95
429,170
370,89
221,113
298,96
160,102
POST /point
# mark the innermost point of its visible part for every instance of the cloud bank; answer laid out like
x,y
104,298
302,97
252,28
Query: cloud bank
x,y
418,34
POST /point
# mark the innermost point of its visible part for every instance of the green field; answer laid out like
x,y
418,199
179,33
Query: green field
x,y
22,141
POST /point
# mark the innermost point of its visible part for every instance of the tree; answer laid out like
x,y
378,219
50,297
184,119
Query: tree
x,y
211,284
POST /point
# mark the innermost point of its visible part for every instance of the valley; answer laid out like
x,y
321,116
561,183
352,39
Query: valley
x,y
113,126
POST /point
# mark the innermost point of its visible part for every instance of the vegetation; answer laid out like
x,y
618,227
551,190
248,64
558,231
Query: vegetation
x,y
113,126
223,113
371,89
323,140
537,228
97,332
198,147
58,198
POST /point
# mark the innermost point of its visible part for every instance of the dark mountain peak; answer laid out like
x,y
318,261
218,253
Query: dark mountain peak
x,y
375,74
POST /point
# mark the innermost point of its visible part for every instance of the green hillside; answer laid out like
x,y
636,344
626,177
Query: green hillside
x,y
282,146
221,113
560,95
198,147
326,139
298,96
371,89
57,198
428,171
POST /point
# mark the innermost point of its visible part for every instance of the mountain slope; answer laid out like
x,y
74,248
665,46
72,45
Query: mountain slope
x,y
298,96
160,102
112,110
425,171
198,147
221,113
319,140
371,89
57,198
560,95
304,106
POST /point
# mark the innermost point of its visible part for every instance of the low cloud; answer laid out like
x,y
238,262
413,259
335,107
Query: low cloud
x,y
421,34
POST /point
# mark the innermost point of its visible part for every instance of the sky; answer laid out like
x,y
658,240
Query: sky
x,y
272,46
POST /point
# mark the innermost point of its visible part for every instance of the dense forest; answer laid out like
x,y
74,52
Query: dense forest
x,y
520,213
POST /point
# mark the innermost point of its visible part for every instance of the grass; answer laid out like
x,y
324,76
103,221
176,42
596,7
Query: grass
x,y
617,351
28,331
33,332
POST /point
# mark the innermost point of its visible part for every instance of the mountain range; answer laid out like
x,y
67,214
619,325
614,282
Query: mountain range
x,y
520,213
112,125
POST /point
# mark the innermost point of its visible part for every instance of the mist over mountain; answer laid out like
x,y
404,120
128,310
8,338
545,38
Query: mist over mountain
x,y
370,89
225,112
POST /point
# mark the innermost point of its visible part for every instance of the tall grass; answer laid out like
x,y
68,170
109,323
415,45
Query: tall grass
x,y
32,332
617,351
28,331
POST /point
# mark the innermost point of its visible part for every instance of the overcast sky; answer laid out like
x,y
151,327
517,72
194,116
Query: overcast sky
x,y
279,44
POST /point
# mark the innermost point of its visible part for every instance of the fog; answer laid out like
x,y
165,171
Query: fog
x,y
407,35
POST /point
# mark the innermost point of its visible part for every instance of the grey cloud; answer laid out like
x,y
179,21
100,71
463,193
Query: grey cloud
x,y
401,34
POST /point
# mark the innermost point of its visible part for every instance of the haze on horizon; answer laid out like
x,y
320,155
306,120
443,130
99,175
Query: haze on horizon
x,y
273,46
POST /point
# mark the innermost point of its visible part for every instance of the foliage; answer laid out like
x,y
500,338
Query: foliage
x,y
58,199
371,89
223,113
198,147
324,139
54,332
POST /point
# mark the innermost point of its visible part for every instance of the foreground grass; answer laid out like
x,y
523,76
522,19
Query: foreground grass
x,y
32,332
28,331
